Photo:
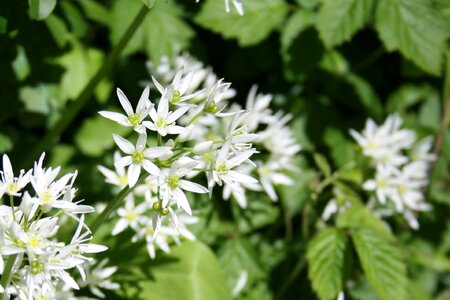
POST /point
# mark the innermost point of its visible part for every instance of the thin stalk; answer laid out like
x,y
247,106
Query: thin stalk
x,y
72,111
444,121
6,276
113,205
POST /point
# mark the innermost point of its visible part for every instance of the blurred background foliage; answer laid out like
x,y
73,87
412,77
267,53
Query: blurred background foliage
x,y
331,63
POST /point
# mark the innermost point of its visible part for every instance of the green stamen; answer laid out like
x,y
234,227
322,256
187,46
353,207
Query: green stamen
x,y
137,157
173,182
134,119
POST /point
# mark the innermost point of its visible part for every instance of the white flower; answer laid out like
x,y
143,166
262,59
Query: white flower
x,y
138,157
270,173
174,186
117,177
132,118
240,284
224,164
384,143
97,276
130,215
8,183
163,121
258,107
215,103
179,88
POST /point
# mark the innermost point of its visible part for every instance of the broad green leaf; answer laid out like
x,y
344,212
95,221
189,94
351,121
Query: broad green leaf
x,y
323,164
296,23
326,258
95,11
162,33
366,94
95,135
191,272
358,216
260,19
41,9
415,28
382,263
339,20
20,64
58,30
340,145
39,99
237,255
80,65
334,62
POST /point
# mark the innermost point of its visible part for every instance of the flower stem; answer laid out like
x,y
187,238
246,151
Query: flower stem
x,y
113,205
72,111
6,276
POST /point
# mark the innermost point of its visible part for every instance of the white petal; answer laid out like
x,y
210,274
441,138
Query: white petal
x,y
124,102
175,129
7,168
155,152
183,202
123,161
150,167
117,117
123,144
133,173
177,114
120,226
143,101
141,142
192,187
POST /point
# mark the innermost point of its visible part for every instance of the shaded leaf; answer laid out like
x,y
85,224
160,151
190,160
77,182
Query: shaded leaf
x,y
41,9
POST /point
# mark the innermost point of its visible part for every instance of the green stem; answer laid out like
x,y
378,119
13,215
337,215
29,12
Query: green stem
x,y
72,111
113,205
7,272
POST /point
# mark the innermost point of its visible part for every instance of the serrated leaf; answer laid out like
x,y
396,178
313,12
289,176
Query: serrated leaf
x,y
41,9
95,135
416,29
358,216
382,263
162,33
339,20
260,19
326,257
191,272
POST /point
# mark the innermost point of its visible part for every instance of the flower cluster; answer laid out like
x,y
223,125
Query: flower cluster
x,y
33,257
237,4
194,131
401,164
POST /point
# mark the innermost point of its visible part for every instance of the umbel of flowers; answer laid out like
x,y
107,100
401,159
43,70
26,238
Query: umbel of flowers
x,y
34,263
200,141
401,168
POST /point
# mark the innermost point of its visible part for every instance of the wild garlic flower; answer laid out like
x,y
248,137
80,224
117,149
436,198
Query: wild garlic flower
x,y
98,277
132,118
138,157
42,265
402,164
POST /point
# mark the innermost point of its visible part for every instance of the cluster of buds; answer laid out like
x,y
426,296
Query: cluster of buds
x,y
401,167
34,261
195,131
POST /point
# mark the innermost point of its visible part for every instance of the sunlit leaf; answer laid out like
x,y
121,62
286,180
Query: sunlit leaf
x,y
41,9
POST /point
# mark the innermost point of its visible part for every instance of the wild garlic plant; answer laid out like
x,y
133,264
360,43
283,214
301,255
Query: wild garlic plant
x,y
193,134
35,261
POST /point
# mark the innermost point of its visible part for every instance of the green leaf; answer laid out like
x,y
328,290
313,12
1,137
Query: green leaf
x,y
191,272
41,9
382,263
78,24
58,30
358,216
6,144
326,257
407,96
430,112
369,99
39,99
95,11
95,135
323,164
260,19
339,20
163,32
237,255
20,64
296,23
80,65
415,28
